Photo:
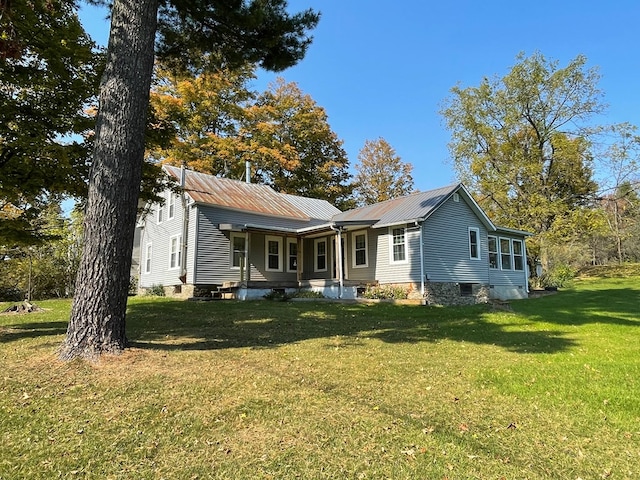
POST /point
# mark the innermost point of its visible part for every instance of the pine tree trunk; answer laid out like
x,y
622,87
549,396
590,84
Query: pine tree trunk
x,y
97,323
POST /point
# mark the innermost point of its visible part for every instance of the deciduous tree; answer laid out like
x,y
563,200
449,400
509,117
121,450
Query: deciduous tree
x,y
48,78
521,143
381,173
288,127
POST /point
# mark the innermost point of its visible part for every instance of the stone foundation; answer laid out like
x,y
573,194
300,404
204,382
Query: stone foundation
x,y
441,293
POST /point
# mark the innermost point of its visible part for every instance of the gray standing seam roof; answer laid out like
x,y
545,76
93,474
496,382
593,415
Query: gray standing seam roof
x,y
416,206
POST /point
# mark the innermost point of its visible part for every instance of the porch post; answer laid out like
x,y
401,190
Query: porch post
x,y
339,261
246,258
299,262
421,261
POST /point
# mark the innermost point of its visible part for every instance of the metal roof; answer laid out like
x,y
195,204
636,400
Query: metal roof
x,y
414,207
250,197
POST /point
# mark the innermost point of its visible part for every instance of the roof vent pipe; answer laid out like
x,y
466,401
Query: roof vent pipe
x,y
247,173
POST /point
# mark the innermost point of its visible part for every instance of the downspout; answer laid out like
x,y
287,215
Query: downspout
x,y
339,260
185,224
422,274
526,265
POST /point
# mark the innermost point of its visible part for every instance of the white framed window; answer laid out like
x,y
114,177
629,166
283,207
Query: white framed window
x,y
273,253
320,254
359,249
493,252
172,206
147,258
474,243
505,254
238,247
160,212
518,255
398,245
292,255
175,251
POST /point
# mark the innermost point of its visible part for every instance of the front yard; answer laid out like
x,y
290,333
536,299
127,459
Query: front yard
x,y
543,388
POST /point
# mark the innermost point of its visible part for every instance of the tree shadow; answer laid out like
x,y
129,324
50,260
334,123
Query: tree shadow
x,y
585,306
18,331
230,324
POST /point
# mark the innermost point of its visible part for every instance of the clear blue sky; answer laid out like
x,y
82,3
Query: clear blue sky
x,y
383,68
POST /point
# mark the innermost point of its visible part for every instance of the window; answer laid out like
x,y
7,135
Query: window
x,y
292,255
398,245
147,259
518,255
175,251
359,241
172,205
160,212
273,254
466,289
493,252
237,250
474,243
505,254
321,255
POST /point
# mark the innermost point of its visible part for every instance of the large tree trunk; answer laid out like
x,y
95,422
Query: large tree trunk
x,y
97,323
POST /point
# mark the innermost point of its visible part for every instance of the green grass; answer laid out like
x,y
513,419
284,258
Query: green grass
x,y
547,389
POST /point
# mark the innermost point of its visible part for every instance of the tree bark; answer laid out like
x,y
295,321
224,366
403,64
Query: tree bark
x,y
97,323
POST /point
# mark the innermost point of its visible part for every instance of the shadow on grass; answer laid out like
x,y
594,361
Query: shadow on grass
x,y
586,306
17,331
176,325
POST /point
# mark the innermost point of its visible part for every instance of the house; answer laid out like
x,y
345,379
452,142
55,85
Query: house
x,y
225,236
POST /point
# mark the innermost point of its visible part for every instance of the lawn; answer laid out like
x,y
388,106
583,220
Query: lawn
x,y
542,388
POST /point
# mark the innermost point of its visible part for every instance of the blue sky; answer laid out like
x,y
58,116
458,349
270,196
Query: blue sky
x,y
383,69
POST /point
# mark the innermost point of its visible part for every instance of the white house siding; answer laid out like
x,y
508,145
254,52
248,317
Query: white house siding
x,y
159,235
446,245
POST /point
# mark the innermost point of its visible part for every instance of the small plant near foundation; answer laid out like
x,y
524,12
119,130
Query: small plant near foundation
x,y
386,292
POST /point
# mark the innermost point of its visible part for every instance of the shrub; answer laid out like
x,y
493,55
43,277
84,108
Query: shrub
x,y
277,296
155,291
307,294
386,292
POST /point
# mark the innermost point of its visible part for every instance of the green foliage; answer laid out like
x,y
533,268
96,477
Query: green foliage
x,y
216,123
307,294
49,75
258,32
380,174
48,269
156,290
560,276
277,296
511,144
386,292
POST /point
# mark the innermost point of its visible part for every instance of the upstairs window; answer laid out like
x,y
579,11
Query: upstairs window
x,y
172,205
474,243
160,212
398,245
